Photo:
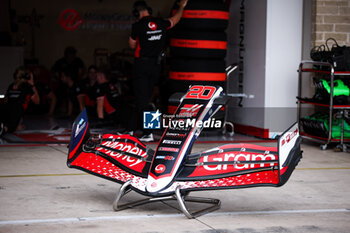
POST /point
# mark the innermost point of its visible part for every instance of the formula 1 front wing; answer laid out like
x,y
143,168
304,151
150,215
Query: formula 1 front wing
x,y
123,158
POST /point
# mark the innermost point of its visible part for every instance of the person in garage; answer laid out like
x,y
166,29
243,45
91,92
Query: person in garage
x,y
148,39
18,96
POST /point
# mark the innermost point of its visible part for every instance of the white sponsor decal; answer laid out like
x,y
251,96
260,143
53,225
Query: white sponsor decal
x,y
80,127
191,123
154,32
238,157
126,148
286,143
158,37
172,142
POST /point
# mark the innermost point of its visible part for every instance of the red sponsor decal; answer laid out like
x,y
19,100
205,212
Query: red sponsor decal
x,y
169,157
70,19
198,44
198,76
160,168
289,137
170,149
200,92
204,14
153,26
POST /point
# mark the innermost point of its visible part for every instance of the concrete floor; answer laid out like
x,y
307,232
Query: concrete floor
x,y
38,193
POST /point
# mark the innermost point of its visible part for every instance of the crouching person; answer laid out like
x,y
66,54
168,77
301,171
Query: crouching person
x,y
110,103
17,98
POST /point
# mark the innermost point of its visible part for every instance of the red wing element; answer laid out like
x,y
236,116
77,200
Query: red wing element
x,y
115,157
127,152
242,165
231,162
124,151
100,166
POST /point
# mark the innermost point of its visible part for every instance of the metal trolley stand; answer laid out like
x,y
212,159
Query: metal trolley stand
x,y
341,110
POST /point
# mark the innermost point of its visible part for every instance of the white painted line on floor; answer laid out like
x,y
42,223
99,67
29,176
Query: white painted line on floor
x,y
134,217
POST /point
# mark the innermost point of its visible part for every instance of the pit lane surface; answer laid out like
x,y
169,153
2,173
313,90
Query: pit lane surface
x,y
38,193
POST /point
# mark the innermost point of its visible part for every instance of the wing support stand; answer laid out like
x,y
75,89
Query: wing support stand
x,y
180,198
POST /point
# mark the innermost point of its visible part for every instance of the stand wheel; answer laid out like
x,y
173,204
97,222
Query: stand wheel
x,y
225,130
323,147
340,148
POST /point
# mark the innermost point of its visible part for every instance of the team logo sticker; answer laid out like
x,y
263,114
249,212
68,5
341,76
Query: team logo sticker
x,y
190,110
81,125
70,19
151,120
160,168
153,26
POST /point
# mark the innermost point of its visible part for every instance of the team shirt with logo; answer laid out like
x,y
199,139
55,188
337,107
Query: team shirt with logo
x,y
20,95
149,33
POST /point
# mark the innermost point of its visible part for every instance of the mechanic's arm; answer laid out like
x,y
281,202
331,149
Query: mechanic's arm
x,y
35,97
177,16
100,113
132,43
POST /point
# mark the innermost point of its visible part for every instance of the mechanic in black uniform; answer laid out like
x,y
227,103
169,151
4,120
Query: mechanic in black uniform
x,y
73,90
17,98
76,65
148,39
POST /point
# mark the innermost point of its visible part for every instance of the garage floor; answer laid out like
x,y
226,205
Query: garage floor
x,y
38,193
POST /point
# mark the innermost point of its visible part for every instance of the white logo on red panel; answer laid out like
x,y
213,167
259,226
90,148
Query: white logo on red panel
x,y
153,26
160,168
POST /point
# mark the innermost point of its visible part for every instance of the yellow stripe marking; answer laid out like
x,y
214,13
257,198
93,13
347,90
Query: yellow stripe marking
x,y
39,175
324,168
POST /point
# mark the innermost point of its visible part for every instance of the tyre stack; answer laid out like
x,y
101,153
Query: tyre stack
x,y
198,45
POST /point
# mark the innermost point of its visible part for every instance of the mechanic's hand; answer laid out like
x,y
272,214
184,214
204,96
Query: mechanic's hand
x,y
183,3
31,80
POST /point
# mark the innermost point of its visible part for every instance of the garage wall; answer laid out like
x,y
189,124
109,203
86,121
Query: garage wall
x,y
331,19
10,59
272,52
51,38
283,55
246,46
